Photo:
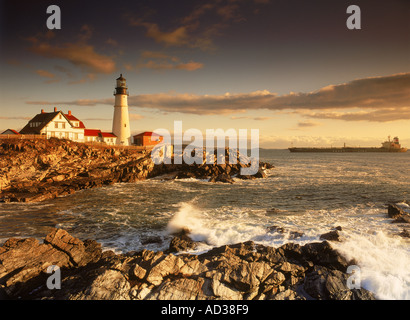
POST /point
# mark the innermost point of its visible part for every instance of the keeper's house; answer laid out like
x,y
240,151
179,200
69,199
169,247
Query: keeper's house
x,y
55,125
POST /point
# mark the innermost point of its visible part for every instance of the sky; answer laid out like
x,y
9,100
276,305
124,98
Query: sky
x,y
291,69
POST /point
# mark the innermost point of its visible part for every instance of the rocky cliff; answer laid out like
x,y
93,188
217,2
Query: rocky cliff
x,y
37,170
242,271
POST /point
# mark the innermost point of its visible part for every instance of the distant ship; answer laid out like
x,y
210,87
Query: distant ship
x,y
387,146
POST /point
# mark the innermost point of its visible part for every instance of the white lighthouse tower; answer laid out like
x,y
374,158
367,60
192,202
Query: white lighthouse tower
x,y
121,122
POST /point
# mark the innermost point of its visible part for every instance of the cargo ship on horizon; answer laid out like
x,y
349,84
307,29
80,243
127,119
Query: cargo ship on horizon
x,y
387,146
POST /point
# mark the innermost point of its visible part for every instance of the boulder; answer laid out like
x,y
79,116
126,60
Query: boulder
x,y
396,212
325,284
80,253
405,233
169,265
108,285
238,271
181,242
179,289
223,177
25,261
331,236
322,253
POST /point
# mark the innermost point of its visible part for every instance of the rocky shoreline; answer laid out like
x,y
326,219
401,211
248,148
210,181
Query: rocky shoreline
x,y
243,271
38,170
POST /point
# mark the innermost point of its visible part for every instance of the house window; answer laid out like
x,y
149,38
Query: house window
x,y
63,124
59,117
76,136
56,125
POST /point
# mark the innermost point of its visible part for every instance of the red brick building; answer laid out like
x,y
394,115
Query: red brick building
x,y
147,138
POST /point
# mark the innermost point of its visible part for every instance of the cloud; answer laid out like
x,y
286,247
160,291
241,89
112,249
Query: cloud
x,y
134,116
64,70
176,37
197,29
15,118
160,61
112,42
79,53
155,65
381,115
79,102
250,118
381,99
46,74
307,124
85,78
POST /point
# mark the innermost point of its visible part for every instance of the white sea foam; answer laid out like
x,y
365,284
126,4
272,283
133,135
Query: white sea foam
x,y
384,261
382,256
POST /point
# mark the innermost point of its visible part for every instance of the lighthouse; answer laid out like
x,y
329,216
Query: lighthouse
x,y
121,122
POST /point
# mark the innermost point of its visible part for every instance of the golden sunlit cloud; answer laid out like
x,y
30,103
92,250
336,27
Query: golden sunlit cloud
x,y
79,53
375,99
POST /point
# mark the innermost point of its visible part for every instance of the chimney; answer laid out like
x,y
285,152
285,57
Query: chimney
x,y
69,112
42,110
55,109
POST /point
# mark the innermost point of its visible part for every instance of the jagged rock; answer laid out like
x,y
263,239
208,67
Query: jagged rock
x,y
22,260
223,177
239,271
405,233
393,211
322,253
50,168
80,253
288,294
396,212
169,265
331,236
181,242
290,234
326,284
109,285
180,289
224,292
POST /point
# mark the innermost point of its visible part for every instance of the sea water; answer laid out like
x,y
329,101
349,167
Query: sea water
x,y
308,193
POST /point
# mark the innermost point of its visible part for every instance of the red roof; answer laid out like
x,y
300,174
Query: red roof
x,y
91,132
147,133
108,135
70,117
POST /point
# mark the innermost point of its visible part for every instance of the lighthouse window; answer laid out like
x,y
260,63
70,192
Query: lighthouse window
x,y
125,125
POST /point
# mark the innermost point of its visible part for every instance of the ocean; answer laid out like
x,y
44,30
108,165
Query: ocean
x,y
310,193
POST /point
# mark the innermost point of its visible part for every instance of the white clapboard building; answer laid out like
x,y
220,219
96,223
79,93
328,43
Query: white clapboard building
x,y
55,125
